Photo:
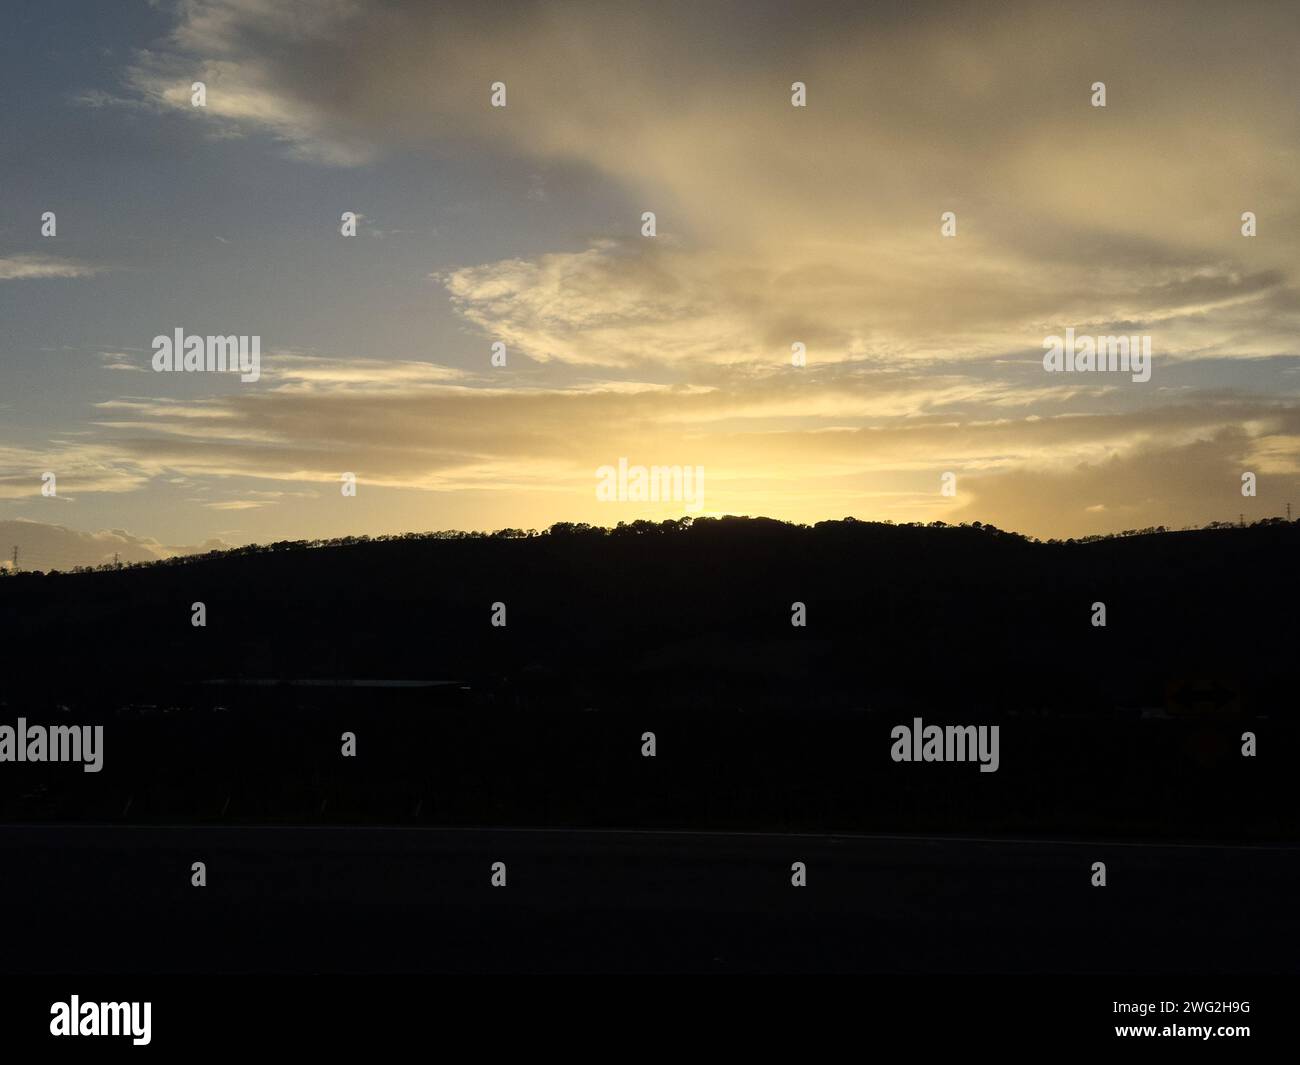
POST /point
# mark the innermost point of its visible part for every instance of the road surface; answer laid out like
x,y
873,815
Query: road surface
x,y
119,899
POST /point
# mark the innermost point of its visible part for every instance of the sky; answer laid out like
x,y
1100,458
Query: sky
x,y
522,225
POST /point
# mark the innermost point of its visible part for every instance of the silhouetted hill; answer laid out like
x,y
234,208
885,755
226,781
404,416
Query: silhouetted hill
x,y
683,630
696,615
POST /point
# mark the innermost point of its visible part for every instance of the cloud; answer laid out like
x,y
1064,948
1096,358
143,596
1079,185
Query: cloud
x,y
836,438
43,546
780,225
617,304
850,437
1187,484
121,360
39,267
297,372
78,465
219,44
820,224
623,303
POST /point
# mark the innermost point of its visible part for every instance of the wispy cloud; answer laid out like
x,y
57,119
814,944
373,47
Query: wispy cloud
x,y
38,267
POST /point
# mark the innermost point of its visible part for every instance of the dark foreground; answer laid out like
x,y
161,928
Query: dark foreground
x,y
118,899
